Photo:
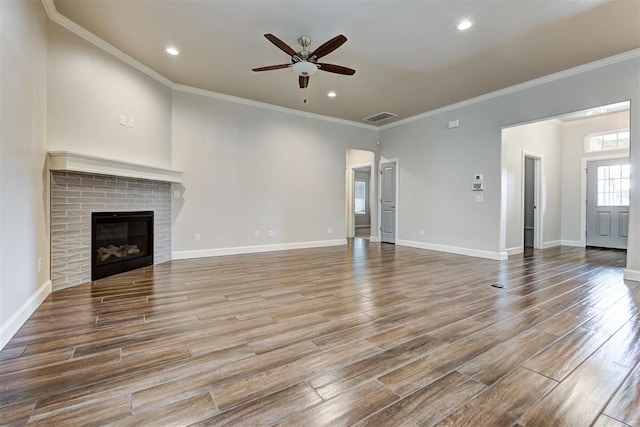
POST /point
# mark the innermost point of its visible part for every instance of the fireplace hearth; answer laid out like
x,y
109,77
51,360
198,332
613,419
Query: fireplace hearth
x,y
120,241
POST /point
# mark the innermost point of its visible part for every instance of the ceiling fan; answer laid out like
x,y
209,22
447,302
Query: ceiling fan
x,y
305,63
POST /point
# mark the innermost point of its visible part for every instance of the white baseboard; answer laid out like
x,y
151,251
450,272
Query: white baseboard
x,y
374,239
573,243
478,253
255,249
515,251
631,275
11,326
551,244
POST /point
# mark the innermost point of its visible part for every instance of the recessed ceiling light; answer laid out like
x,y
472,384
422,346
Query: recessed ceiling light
x,y
465,25
331,94
172,51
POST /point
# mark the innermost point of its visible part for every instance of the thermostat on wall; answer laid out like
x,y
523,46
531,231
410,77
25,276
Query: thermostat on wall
x,y
477,186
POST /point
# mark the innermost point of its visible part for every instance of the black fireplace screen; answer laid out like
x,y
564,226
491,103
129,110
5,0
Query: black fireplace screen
x,y
120,241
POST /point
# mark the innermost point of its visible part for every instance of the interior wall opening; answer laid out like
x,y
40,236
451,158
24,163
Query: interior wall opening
x,y
565,145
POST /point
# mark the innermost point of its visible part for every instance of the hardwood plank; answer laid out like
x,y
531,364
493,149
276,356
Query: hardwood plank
x,y
503,403
182,412
438,363
268,410
604,421
579,399
566,354
625,404
428,405
345,409
244,339
502,359
336,382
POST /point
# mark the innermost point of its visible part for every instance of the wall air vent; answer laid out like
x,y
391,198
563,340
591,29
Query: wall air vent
x,y
379,117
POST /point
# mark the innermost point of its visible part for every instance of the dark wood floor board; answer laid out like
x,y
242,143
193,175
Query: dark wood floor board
x,y
268,410
428,405
366,334
86,394
564,355
422,372
625,404
507,356
275,379
233,369
579,399
504,402
333,383
604,421
623,347
346,409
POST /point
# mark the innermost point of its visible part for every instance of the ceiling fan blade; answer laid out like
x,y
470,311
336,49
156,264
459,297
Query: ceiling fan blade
x,y
272,67
338,69
329,46
304,81
281,45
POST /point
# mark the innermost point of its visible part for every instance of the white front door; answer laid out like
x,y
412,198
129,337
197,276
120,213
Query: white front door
x,y
388,202
608,203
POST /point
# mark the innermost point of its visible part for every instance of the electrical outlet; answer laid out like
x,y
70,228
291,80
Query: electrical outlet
x,y
196,237
271,233
39,265
330,230
131,122
422,231
123,120
256,233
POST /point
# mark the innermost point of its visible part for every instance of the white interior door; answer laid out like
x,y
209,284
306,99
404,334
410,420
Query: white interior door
x,y
608,203
388,202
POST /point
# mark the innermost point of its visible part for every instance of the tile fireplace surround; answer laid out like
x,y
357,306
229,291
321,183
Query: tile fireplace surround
x,y
81,184
75,195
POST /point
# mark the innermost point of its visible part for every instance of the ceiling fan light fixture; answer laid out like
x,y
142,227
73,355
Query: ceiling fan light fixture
x,y
304,68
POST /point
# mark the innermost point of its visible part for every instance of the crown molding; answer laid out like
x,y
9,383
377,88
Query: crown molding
x,y
83,33
631,54
266,106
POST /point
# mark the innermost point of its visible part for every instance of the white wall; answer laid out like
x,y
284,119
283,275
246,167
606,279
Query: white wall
x,y
23,197
89,89
545,140
250,169
573,134
437,164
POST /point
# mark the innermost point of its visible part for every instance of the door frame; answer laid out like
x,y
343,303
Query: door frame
x,y
379,174
583,189
538,192
351,178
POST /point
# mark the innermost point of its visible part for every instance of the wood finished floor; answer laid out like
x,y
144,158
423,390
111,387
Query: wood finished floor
x,y
364,334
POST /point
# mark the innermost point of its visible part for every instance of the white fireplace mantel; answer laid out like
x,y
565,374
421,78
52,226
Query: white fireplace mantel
x,y
75,162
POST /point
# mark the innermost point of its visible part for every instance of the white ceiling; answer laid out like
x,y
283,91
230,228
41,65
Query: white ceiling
x,y
409,56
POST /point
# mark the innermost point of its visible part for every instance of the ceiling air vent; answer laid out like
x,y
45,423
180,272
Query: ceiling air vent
x,y
379,117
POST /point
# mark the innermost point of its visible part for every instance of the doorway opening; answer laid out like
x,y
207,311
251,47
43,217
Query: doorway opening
x,y
531,221
544,164
360,194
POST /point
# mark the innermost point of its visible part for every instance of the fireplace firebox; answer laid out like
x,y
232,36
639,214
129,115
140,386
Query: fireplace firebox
x,y
120,241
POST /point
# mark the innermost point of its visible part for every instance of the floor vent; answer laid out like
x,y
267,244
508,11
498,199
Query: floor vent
x,y
379,117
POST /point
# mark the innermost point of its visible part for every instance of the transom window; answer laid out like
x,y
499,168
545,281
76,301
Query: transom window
x,y
613,185
607,141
